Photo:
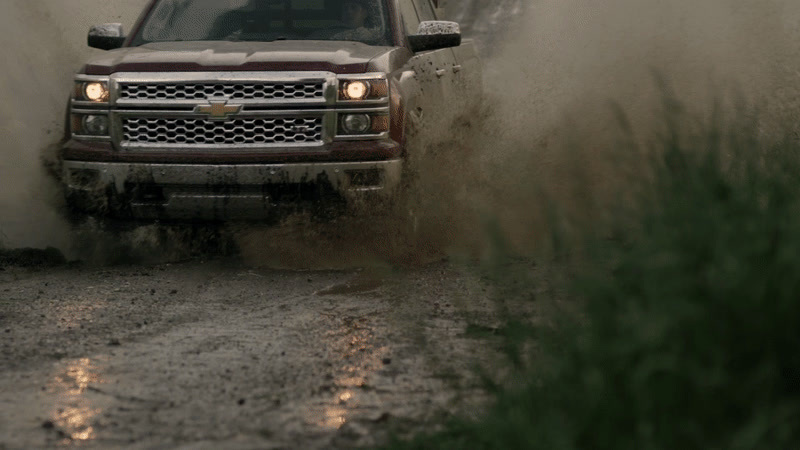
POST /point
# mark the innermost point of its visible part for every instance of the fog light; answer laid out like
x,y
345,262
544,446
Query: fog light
x,y
95,125
356,123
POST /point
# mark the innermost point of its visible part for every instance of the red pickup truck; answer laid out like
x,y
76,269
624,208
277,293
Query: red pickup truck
x,y
242,109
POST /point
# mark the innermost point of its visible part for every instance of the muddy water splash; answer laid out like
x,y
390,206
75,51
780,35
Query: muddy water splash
x,y
551,136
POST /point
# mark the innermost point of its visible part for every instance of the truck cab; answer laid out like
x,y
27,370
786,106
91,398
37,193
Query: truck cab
x,y
245,109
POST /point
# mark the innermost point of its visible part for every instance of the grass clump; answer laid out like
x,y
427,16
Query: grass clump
x,y
689,333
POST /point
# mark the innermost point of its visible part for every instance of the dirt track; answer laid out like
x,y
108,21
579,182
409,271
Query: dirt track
x,y
213,354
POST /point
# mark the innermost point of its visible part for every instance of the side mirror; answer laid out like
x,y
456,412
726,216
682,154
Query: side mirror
x,y
107,36
435,35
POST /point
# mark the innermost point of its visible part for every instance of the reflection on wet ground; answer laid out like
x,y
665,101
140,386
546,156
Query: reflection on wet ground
x,y
334,417
209,356
351,341
74,413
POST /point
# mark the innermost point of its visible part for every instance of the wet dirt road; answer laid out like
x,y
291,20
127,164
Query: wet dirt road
x,y
213,354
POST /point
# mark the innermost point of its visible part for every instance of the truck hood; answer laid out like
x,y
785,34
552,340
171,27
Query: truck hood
x,y
191,56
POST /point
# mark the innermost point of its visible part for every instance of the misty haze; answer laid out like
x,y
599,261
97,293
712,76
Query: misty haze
x,y
318,224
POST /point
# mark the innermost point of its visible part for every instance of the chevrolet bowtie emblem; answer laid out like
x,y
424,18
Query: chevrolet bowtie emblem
x,y
218,109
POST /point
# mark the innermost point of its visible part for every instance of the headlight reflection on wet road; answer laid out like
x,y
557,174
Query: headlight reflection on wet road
x,y
74,414
353,342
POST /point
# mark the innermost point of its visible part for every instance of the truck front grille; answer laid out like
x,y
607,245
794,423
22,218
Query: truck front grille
x,y
146,131
307,90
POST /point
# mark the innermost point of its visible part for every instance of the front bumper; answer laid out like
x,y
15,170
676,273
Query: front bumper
x,y
148,191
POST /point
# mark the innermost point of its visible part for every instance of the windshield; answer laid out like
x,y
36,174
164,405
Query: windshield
x,y
266,20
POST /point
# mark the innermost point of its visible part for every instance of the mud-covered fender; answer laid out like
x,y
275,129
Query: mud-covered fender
x,y
406,109
405,92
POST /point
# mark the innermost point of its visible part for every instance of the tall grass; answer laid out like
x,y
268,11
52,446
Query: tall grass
x,y
688,334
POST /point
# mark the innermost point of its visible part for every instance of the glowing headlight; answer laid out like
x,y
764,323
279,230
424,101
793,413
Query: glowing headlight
x,y
356,90
95,91
364,89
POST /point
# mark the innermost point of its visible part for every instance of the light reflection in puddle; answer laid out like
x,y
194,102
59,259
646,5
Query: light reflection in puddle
x,y
73,412
345,396
352,343
334,418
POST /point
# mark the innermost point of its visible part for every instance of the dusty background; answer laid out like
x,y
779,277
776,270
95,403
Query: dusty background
x,y
42,44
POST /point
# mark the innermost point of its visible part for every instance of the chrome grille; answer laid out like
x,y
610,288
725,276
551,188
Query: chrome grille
x,y
239,91
236,132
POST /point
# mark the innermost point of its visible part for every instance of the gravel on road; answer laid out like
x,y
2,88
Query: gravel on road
x,y
215,354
